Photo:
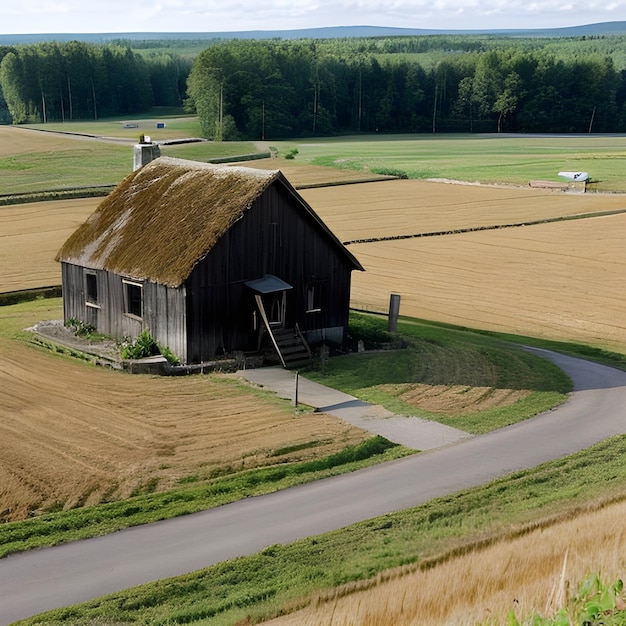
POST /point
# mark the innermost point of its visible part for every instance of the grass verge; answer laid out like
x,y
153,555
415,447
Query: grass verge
x,y
282,578
80,523
445,356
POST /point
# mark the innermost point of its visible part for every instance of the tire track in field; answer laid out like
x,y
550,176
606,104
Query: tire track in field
x,y
474,229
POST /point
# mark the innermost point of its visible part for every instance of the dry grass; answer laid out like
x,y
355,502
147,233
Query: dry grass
x,y
73,434
560,281
522,574
111,435
302,175
407,207
30,237
453,400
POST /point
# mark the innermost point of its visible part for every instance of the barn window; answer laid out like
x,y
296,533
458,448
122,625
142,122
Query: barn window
x,y
91,289
133,299
314,297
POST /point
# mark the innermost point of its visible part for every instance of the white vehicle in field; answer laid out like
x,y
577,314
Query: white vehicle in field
x,y
578,176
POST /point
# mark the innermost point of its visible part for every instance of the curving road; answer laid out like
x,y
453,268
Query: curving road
x,y
36,581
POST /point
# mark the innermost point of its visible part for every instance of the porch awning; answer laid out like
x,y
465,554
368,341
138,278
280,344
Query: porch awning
x,y
268,284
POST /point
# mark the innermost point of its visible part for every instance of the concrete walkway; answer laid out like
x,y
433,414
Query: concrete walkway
x,y
412,432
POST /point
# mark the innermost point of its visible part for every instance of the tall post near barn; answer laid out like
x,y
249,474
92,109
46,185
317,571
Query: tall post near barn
x,y
394,312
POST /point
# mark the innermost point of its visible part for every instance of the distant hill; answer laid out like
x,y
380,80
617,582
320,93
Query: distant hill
x,y
331,32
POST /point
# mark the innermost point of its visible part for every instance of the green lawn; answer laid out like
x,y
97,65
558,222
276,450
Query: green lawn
x,y
438,355
84,163
475,158
177,126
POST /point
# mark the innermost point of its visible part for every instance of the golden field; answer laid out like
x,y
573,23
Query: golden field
x,y
563,280
72,434
531,574
410,207
31,235
111,435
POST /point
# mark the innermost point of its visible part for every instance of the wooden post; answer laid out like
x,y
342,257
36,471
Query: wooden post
x,y
295,395
394,312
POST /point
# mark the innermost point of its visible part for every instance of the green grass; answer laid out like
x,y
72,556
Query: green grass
x,y
474,158
439,355
195,494
595,603
177,125
262,585
209,150
88,163
14,318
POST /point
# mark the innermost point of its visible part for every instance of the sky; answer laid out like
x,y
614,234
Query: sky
x,y
123,16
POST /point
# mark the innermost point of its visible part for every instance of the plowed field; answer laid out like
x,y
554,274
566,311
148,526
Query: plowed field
x,y
30,237
408,207
72,434
563,280
109,434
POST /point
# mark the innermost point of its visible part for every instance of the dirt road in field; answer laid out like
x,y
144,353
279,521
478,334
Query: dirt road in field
x,y
56,577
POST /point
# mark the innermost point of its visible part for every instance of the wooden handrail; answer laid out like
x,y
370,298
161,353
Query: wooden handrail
x,y
259,302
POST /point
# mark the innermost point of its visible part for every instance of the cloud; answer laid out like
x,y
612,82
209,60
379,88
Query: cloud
x,y
236,15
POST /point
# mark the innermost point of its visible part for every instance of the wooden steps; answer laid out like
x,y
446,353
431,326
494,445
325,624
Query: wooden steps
x,y
292,347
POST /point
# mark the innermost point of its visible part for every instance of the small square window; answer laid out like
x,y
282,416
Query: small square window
x,y
133,299
91,288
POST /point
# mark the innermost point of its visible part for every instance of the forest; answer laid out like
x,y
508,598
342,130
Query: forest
x,y
75,81
266,89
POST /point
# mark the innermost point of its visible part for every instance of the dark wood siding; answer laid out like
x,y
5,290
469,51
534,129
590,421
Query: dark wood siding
x,y
276,236
214,312
163,308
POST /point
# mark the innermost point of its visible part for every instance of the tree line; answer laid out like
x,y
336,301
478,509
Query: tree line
x,y
251,89
75,80
280,89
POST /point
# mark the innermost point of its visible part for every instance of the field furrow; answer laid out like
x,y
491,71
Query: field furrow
x,y
110,434
409,207
562,280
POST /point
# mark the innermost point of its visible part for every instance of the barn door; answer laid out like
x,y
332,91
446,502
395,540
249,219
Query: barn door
x,y
271,298
277,309
270,295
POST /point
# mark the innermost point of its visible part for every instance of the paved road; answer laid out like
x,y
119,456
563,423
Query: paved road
x,y
36,581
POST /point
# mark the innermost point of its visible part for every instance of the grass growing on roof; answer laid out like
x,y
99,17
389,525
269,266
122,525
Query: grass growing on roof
x,y
156,223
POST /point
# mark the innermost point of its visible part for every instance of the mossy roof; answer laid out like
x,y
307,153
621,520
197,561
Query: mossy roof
x,y
166,217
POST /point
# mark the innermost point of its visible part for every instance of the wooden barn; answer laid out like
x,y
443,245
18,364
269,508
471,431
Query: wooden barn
x,y
211,260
